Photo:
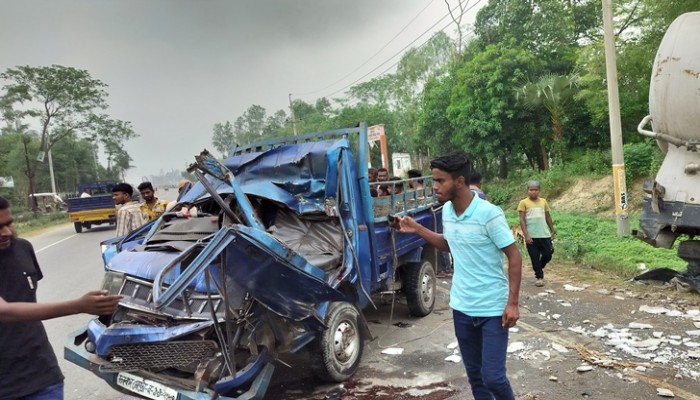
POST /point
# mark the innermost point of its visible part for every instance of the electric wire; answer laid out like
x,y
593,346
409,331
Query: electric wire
x,y
402,50
372,56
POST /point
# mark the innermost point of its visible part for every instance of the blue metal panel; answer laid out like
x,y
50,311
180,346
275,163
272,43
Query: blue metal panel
x,y
278,278
106,337
295,175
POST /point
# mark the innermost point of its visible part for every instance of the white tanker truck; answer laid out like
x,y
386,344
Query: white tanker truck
x,y
672,199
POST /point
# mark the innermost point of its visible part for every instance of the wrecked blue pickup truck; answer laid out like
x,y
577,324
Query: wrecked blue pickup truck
x,y
276,249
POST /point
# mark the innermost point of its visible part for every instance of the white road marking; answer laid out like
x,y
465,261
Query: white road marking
x,y
53,244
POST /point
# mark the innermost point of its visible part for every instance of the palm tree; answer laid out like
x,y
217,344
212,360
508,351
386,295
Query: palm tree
x,y
553,92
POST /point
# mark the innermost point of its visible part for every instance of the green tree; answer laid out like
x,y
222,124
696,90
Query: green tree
x,y
223,138
553,93
483,111
62,101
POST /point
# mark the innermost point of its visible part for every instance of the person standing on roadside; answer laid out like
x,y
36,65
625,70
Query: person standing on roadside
x,y
152,207
475,184
538,230
28,366
484,301
129,214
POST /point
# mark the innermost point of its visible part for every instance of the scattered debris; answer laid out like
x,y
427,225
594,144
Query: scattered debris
x,y
596,358
663,392
639,325
584,368
559,348
393,351
454,358
515,346
553,378
572,288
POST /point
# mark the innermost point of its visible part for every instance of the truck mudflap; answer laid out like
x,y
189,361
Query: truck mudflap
x,y
256,374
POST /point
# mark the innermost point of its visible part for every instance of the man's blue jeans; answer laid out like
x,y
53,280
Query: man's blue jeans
x,y
53,392
483,342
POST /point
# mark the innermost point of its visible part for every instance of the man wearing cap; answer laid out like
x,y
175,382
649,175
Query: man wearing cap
x,y
129,214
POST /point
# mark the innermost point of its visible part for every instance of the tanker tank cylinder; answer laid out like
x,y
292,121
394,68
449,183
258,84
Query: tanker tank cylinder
x,y
671,206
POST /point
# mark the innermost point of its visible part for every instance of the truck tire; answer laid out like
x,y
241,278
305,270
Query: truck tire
x,y
419,287
78,227
337,351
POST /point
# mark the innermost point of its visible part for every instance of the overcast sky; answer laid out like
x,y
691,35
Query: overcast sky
x,y
175,68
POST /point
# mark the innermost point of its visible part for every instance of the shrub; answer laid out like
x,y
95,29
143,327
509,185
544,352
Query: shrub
x,y
641,159
590,162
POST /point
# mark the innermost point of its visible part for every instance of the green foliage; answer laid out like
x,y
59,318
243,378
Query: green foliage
x,y
641,159
26,222
500,195
65,103
589,162
483,111
593,241
223,138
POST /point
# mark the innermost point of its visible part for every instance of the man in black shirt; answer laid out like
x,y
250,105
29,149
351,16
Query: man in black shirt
x,y
28,367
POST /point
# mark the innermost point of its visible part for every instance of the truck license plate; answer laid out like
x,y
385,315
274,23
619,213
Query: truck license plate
x,y
144,387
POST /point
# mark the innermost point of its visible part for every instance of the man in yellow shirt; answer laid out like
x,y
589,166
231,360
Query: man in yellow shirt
x,y
152,207
538,229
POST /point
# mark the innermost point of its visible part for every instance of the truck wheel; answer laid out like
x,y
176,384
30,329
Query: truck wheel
x,y
337,351
419,287
78,227
87,225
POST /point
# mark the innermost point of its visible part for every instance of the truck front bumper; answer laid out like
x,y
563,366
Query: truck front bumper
x,y
136,383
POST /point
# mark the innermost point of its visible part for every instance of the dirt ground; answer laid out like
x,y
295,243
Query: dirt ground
x,y
596,196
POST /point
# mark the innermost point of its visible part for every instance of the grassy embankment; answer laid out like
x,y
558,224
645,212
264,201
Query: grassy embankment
x,y
588,235
26,224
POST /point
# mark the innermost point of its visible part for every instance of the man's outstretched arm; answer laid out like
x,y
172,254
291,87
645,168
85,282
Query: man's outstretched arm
x,y
96,302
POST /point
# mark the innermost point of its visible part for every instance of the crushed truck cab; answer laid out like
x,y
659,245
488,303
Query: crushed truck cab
x,y
276,249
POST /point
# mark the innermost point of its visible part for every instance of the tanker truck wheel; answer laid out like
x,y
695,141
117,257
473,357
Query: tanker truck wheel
x,y
78,227
337,351
419,287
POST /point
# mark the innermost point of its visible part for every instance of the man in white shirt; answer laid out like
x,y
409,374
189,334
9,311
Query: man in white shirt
x,y
129,215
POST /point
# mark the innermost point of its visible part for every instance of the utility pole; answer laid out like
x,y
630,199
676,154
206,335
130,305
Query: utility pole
x,y
294,119
618,158
94,156
53,179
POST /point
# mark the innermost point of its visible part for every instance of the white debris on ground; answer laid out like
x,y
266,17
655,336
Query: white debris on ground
x,y
639,344
394,351
643,341
455,357
572,288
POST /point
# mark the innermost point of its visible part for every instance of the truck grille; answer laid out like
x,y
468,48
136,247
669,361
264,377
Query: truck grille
x,y
155,356
193,305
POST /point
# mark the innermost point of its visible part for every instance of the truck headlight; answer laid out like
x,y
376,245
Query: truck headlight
x,y
113,282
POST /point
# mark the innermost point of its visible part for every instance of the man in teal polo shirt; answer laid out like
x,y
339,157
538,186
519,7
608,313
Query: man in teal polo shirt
x,y
484,301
